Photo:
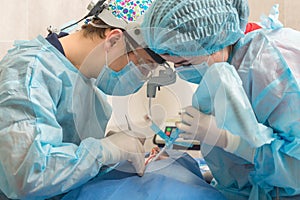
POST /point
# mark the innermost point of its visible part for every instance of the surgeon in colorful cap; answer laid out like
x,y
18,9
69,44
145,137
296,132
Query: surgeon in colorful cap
x,y
53,103
245,111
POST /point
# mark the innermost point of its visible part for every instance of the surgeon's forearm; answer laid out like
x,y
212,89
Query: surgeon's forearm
x,y
238,146
47,171
241,147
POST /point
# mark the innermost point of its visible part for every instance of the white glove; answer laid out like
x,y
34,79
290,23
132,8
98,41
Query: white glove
x,y
199,126
122,146
202,127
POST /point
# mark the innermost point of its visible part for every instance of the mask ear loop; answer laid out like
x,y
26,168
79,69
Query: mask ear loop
x,y
127,56
223,57
127,53
106,58
226,50
208,59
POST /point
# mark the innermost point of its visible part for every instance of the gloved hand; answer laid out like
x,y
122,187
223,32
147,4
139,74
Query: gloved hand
x,y
199,126
122,146
202,127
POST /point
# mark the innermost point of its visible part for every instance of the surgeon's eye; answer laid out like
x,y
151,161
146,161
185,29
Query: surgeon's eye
x,y
182,64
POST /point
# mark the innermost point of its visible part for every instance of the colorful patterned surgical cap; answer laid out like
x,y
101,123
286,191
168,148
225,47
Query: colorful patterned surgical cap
x,y
129,10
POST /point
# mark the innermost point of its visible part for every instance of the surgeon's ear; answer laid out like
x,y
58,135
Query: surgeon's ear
x,y
113,38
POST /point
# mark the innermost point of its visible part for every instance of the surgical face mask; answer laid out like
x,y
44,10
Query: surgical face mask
x,y
192,73
124,82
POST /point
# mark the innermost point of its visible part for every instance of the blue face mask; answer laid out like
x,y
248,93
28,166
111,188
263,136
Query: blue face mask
x,y
124,82
192,73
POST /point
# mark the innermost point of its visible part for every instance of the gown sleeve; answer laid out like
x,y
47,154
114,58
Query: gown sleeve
x,y
34,160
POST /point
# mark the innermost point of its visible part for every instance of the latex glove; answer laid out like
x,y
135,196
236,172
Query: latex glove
x,y
199,126
202,127
123,146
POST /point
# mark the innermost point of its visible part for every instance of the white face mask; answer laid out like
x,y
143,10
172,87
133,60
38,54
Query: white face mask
x,y
192,73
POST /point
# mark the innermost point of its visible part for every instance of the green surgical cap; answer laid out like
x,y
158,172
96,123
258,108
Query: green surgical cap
x,y
194,27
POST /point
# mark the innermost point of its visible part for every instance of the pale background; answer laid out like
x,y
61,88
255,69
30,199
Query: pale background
x,y
25,19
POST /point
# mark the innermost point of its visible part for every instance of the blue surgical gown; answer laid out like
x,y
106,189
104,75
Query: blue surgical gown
x,y
267,64
50,121
175,177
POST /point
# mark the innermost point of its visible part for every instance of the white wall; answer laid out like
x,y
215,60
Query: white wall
x,y
288,11
25,19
